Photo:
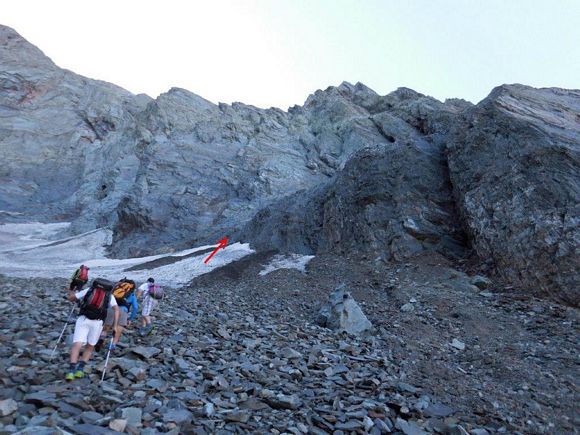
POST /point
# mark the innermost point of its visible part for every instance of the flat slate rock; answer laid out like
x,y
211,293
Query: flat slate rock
x,y
40,430
145,352
7,407
409,427
438,410
90,417
237,416
91,429
41,399
254,404
282,401
349,425
177,416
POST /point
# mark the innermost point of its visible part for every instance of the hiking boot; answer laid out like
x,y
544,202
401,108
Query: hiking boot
x,y
145,330
99,345
150,330
79,374
69,376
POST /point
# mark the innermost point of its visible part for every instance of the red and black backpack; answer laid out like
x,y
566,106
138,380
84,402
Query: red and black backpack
x,y
83,273
95,303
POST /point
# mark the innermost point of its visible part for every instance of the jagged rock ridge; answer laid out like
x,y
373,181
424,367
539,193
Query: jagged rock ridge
x,y
349,171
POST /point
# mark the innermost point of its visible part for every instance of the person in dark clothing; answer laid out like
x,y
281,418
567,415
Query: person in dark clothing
x,y
79,278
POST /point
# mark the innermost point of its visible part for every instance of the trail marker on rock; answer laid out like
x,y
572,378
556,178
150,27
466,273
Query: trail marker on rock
x,y
221,244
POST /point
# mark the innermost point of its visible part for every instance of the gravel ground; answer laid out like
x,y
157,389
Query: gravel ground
x,y
239,352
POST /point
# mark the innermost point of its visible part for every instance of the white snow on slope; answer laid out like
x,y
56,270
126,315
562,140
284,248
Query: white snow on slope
x,y
291,261
28,235
30,250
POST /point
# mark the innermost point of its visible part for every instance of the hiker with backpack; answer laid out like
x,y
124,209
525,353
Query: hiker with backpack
x,y
96,301
151,294
124,294
79,278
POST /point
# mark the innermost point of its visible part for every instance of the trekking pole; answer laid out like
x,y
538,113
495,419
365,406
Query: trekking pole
x,y
107,359
62,333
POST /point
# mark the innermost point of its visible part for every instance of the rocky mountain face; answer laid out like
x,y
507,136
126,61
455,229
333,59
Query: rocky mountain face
x,y
349,171
393,197
514,162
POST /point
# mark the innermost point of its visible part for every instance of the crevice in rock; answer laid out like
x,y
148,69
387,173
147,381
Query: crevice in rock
x,y
388,137
456,210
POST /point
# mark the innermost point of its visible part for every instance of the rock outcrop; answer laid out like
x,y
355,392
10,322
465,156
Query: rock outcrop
x,y
512,163
515,168
393,197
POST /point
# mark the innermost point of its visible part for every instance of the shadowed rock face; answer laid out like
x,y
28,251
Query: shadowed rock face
x,y
515,168
393,198
349,171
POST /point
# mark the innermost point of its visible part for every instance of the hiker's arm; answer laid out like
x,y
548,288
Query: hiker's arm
x,y
71,296
116,319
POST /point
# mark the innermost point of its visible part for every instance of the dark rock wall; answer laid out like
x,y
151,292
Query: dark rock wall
x,y
394,199
515,168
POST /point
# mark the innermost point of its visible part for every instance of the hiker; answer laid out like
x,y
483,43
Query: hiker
x,y
96,301
79,278
124,294
150,293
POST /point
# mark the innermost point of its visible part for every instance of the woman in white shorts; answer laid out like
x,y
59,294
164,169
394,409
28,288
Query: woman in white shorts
x,y
87,332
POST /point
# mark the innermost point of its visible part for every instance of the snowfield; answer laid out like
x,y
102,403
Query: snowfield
x,y
291,261
34,250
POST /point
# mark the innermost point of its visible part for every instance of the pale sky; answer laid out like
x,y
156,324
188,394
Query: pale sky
x,y
275,53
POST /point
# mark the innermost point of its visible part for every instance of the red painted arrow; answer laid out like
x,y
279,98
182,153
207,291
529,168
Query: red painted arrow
x,y
221,244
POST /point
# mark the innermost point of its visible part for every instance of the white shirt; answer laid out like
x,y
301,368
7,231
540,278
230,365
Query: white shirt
x,y
144,289
82,293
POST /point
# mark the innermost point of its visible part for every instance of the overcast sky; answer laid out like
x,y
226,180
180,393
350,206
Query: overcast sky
x,y
275,52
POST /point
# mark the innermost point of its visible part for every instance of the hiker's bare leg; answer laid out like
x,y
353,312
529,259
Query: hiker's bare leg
x,y
117,336
88,352
75,350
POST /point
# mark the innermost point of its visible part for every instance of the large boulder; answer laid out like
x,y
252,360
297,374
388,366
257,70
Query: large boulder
x,y
342,313
515,168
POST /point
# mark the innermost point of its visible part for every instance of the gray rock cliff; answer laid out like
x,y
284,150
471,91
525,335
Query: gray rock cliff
x,y
349,171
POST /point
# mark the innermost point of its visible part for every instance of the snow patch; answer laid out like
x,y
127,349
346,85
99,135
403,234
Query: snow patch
x,y
30,234
291,261
32,250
